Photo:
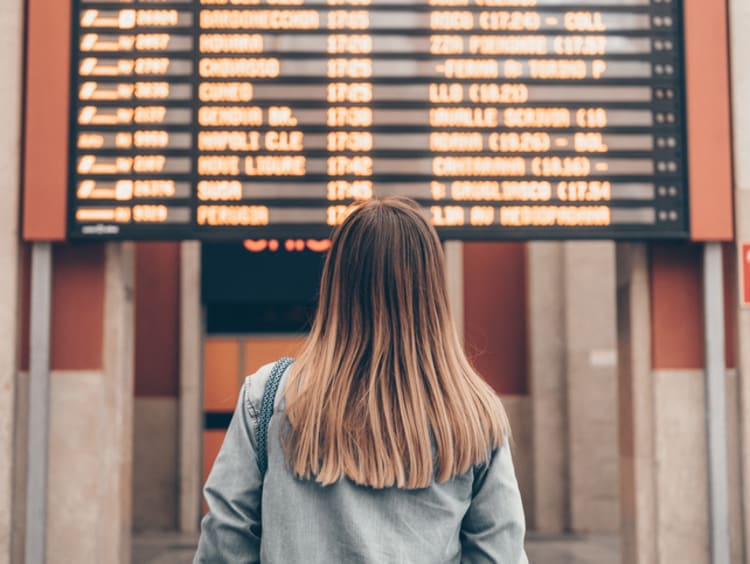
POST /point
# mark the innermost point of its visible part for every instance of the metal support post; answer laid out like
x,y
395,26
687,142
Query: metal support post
x,y
716,408
38,426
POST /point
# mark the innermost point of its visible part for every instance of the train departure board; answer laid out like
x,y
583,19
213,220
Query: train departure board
x,y
230,119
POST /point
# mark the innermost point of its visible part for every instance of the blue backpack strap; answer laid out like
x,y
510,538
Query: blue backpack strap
x,y
266,410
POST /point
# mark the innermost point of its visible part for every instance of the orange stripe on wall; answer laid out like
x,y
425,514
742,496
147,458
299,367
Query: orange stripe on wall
x,y
708,120
157,298
495,313
78,306
677,306
46,119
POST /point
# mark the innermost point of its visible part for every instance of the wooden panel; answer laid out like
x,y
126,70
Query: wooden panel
x,y
157,294
708,120
262,350
78,306
221,370
46,119
495,329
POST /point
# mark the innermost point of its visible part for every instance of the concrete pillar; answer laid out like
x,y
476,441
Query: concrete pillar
x,y
573,386
191,387
454,277
548,387
119,358
739,21
636,409
591,385
91,421
156,436
11,58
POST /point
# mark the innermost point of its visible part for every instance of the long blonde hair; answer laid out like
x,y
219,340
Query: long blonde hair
x,y
382,392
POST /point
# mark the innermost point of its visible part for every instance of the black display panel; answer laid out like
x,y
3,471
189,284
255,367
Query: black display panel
x,y
233,119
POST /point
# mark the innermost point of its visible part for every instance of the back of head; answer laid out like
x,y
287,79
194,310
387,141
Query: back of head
x,y
382,393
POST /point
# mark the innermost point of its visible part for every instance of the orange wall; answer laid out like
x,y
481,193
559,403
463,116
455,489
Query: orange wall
x,y
677,306
222,376
45,159
157,303
495,325
77,306
709,124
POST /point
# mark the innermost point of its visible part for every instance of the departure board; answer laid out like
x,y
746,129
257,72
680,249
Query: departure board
x,y
233,119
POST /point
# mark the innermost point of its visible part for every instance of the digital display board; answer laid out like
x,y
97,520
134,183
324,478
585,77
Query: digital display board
x,y
231,119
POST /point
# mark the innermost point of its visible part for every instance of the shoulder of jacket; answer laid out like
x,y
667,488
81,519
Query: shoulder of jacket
x,y
256,383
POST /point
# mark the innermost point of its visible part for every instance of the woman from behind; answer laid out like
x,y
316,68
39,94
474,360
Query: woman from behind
x,y
385,446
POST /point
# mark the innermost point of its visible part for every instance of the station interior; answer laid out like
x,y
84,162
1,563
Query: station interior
x,y
170,172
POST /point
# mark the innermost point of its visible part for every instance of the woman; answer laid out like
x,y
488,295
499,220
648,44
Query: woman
x,y
385,446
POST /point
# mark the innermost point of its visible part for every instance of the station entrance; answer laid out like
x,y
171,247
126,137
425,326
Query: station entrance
x,y
259,298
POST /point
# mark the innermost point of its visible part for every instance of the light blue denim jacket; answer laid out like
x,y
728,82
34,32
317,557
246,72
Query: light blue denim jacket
x,y
474,518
